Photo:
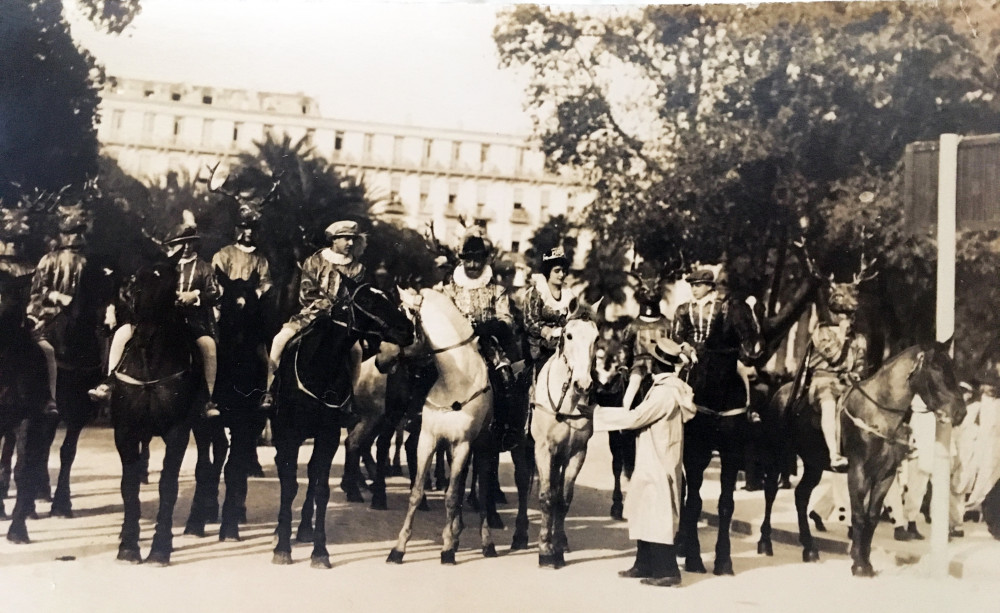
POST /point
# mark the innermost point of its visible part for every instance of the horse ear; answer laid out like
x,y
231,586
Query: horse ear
x,y
254,278
918,363
221,276
946,346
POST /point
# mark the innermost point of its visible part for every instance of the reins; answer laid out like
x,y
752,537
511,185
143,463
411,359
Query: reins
x,y
554,408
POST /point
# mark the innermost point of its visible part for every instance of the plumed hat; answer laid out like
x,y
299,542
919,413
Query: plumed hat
x,y
13,224
186,231
474,247
73,218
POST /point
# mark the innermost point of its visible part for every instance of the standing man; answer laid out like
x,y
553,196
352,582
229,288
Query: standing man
x,y
641,338
653,501
54,286
321,273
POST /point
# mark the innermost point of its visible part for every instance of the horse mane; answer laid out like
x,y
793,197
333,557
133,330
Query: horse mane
x,y
439,303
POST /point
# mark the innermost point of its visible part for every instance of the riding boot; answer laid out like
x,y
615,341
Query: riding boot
x,y
664,569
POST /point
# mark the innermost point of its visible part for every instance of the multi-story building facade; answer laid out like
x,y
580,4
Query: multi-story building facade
x,y
417,175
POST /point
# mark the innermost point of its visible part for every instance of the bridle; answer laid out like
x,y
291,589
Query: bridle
x,y
585,411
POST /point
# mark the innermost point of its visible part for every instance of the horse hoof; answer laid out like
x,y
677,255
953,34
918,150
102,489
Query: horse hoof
x,y
723,567
494,521
195,530
320,562
765,548
448,557
160,559
144,479
61,511
520,542
304,534
694,565
490,551
617,511
256,473
423,506
560,561
380,502
229,533
282,558
901,534
395,557
818,521
44,495
810,555
354,496
131,556
862,570
212,515
18,536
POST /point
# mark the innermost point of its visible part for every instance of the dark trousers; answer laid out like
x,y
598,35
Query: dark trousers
x,y
656,560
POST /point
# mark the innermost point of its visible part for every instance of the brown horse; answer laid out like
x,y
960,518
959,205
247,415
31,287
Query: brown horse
x,y
874,422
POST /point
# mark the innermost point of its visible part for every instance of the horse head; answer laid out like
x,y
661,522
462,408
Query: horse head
x,y
372,314
609,360
155,292
932,377
439,321
13,298
576,346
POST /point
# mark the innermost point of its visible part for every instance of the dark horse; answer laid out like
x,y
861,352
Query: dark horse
x,y
23,393
156,384
239,385
875,439
721,425
314,391
79,339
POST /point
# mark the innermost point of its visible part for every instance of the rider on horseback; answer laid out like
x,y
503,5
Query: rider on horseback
x,y
241,259
837,361
55,285
641,337
197,293
321,274
547,306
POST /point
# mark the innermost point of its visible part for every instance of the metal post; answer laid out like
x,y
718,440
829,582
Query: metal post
x,y
945,330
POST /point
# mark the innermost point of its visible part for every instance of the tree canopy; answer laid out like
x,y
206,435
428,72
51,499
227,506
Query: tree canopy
x,y
725,133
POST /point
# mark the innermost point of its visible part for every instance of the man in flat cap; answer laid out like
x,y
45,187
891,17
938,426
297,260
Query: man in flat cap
x,y
321,274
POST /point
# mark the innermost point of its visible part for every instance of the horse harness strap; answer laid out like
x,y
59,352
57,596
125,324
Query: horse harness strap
x,y
458,406
729,413
455,346
126,379
302,388
862,425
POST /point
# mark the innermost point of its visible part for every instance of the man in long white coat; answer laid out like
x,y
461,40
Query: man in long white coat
x,y
653,502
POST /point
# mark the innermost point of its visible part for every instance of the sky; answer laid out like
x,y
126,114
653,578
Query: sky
x,y
420,64
429,65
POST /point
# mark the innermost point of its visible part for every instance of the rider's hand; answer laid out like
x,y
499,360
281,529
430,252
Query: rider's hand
x,y
188,298
59,298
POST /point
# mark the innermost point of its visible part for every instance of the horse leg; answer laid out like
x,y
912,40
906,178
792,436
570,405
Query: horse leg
x,y
220,449
488,518
176,441
492,494
453,506
319,478
615,442
397,434
237,471
44,489
286,459
425,447
61,505
382,443
566,485
811,475
32,440
412,442
6,464
524,469
875,499
696,459
130,454
859,487
727,484
197,518
770,481
305,533
442,456
546,553
476,458
350,483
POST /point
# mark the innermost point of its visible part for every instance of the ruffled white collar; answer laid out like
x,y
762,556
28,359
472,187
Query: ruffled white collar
x,y
246,248
337,259
462,280
545,292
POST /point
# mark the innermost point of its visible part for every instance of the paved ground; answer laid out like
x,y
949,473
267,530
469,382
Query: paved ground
x,y
70,563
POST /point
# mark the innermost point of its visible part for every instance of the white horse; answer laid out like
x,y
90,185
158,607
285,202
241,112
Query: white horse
x,y
562,424
458,409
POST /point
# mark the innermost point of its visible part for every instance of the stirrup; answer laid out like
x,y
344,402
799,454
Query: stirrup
x,y
266,401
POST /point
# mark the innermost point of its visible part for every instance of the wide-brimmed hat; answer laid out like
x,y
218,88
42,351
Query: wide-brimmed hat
x,y
474,247
343,227
182,234
667,352
701,275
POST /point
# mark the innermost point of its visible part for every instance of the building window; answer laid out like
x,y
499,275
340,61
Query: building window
x,y
305,109
148,120
397,149
425,188
117,116
428,143
236,131
177,126
268,131
310,135
206,131
176,97
518,198
148,93
338,140
520,159
515,246
206,100
484,153
369,140
481,196
456,152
